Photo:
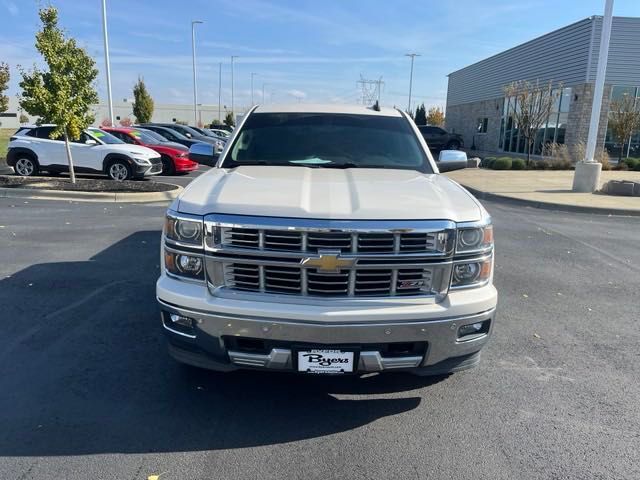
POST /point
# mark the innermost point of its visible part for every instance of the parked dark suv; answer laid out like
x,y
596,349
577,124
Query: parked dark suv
x,y
439,139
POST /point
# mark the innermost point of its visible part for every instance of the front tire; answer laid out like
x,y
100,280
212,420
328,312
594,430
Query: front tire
x,y
26,167
119,170
168,167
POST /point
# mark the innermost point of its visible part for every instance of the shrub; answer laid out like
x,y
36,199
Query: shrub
x,y
632,163
502,163
637,167
487,162
518,164
543,164
560,164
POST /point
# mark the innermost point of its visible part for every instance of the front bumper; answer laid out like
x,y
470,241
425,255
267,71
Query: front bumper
x,y
211,343
148,170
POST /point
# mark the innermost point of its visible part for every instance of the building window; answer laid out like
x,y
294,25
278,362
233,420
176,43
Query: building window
x,y
553,131
481,125
630,147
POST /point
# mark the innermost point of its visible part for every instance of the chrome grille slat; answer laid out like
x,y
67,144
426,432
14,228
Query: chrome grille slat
x,y
387,263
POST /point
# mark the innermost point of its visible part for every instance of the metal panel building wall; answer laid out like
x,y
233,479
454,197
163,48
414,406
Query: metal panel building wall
x,y
623,64
561,56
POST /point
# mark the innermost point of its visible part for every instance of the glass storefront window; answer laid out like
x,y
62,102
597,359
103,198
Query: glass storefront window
x,y
553,131
630,147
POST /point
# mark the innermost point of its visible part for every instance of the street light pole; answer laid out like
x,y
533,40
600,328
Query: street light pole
x,y
233,57
264,102
195,85
587,174
413,56
106,59
253,74
220,92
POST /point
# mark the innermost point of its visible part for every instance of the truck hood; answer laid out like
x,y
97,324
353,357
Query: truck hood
x,y
356,193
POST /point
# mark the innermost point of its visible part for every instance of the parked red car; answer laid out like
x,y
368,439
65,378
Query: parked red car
x,y
175,157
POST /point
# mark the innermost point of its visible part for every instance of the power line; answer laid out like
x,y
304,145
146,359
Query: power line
x,y
370,90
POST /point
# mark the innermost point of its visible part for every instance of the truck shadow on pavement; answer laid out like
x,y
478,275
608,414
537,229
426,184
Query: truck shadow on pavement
x,y
84,370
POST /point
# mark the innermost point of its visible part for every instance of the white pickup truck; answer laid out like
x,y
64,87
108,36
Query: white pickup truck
x,y
326,241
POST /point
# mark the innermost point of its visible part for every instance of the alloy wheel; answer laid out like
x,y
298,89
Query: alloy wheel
x,y
25,167
118,172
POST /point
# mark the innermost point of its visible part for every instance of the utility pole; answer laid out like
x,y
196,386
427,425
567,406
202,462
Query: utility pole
x,y
233,57
253,74
193,57
587,174
219,92
413,56
106,59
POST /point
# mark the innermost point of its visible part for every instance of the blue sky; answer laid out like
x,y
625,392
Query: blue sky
x,y
313,51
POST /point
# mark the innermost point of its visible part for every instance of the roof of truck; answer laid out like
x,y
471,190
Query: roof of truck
x,y
327,108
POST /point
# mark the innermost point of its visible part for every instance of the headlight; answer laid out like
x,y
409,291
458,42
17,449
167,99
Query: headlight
x,y
141,160
184,265
470,274
183,229
474,239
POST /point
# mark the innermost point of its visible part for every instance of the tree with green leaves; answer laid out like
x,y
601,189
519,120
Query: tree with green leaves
x,y
62,94
23,118
421,115
142,103
229,120
5,76
215,123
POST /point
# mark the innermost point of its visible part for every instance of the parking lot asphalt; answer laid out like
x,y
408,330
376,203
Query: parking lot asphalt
x,y
87,390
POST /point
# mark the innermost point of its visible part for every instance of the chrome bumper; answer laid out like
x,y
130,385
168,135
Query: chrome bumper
x,y
205,347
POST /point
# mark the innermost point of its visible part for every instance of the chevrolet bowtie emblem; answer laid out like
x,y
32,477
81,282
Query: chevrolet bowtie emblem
x,y
328,262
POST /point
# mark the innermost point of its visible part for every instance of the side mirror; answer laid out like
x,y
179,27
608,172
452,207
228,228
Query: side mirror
x,y
203,153
90,142
450,160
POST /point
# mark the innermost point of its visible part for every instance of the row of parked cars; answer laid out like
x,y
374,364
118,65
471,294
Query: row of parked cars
x,y
122,153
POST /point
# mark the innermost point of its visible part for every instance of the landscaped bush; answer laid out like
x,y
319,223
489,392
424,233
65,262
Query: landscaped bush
x,y
518,164
632,163
487,162
621,166
502,163
543,164
560,163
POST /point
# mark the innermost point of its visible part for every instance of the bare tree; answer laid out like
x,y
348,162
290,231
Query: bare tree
x,y
534,104
624,119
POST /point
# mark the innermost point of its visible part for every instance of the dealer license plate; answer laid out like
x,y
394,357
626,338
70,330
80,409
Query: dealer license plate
x,y
325,361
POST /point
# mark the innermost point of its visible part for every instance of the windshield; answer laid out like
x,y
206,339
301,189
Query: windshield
x,y
183,128
325,140
171,132
146,138
155,135
104,137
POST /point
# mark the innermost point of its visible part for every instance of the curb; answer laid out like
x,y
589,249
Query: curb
x,y
551,206
110,197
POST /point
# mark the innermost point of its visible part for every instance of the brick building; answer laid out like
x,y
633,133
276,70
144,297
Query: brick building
x,y
476,103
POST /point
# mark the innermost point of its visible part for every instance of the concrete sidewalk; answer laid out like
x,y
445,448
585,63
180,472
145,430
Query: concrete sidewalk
x,y
547,189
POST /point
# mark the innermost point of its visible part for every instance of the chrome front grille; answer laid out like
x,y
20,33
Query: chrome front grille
x,y
294,280
329,258
358,242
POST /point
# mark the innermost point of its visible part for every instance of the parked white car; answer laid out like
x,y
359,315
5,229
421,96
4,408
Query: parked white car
x,y
327,242
32,150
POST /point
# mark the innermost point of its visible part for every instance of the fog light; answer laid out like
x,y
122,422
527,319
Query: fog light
x,y
477,328
180,320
